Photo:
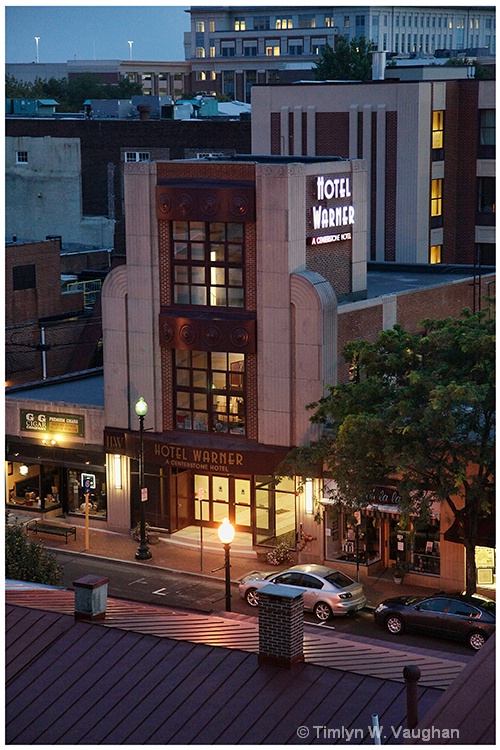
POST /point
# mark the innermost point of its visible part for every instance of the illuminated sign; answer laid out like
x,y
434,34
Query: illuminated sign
x,y
327,217
38,421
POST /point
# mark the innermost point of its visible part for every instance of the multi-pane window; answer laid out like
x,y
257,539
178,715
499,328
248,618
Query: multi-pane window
x,y
228,49
284,23
200,52
307,22
208,263
272,50
21,157
239,24
23,277
250,49
210,391
329,22
133,156
437,197
200,26
295,47
487,127
211,26
347,22
261,23
486,195
437,128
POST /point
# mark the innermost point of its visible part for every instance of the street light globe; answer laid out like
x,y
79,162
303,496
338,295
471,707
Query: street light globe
x,y
226,532
141,408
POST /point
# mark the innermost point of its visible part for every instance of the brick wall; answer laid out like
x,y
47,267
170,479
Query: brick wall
x,y
281,629
332,134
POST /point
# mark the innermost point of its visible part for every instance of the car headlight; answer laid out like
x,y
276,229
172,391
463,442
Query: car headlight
x,y
347,595
380,607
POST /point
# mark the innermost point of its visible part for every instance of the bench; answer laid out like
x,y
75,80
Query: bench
x,y
51,528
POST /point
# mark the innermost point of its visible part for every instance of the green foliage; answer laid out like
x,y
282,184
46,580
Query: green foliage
x,y
26,560
350,61
71,94
422,415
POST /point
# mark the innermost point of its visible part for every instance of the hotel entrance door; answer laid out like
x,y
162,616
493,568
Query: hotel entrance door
x,y
216,498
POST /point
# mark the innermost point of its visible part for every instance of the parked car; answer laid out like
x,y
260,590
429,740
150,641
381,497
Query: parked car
x,y
326,591
467,618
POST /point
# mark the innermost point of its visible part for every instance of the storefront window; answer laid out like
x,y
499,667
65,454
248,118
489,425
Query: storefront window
x,y
425,555
75,496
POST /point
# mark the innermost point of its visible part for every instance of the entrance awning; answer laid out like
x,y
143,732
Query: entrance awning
x,y
485,532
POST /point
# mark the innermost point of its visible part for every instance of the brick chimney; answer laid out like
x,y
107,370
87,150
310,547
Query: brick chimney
x,y
281,626
91,597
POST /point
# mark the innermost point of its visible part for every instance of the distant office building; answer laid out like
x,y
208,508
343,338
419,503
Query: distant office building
x,y
232,48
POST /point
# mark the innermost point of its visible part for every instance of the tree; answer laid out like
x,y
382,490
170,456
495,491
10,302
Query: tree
x,y
26,560
420,413
350,61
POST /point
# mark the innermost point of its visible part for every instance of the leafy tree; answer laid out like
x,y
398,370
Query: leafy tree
x,y
26,560
83,86
420,413
350,61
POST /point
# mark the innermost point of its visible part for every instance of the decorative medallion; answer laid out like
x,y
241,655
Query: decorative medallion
x,y
210,205
164,203
239,337
167,332
238,205
187,334
185,204
212,335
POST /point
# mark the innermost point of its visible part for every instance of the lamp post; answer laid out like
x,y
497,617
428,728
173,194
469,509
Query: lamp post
x,y
226,535
141,409
130,43
37,39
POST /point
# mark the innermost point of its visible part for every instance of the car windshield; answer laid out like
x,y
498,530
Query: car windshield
x,y
489,606
338,579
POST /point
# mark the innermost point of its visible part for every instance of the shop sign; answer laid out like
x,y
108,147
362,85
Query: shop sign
x,y
52,422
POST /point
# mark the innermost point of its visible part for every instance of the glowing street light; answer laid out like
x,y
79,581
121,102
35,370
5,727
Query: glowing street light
x,y
37,39
143,553
226,535
130,45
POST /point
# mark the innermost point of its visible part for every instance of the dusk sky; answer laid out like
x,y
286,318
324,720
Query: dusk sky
x,y
100,32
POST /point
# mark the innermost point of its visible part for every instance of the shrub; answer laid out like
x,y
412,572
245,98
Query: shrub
x,y
26,560
278,555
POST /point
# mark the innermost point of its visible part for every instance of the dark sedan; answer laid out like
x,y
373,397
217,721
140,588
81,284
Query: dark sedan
x,y
467,618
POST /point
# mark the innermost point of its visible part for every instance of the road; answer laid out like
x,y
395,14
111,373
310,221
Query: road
x,y
206,594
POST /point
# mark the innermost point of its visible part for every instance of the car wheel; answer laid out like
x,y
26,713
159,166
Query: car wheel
x,y
476,640
322,611
252,597
394,624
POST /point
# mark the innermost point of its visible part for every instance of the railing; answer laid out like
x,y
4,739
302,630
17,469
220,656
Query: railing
x,y
91,291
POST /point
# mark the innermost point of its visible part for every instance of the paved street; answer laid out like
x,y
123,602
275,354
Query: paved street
x,y
204,593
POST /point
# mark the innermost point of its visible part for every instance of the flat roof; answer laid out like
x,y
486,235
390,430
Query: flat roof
x,y
399,279
84,390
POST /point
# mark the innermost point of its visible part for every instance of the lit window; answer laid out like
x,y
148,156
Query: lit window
x,y
307,22
208,263
273,51
435,254
284,23
437,197
211,26
200,26
437,129
347,22
200,51
239,24
133,156
211,51
21,157
329,22
210,391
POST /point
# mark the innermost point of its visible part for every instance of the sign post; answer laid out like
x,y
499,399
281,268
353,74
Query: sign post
x,y
86,487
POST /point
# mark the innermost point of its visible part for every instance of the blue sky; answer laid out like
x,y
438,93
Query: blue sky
x,y
101,32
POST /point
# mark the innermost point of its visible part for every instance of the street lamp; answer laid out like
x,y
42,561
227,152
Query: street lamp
x,y
226,535
130,45
37,39
141,409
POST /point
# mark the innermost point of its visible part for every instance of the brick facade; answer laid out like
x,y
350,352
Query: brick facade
x,y
281,627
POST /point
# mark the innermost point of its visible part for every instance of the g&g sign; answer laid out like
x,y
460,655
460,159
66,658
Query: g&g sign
x,y
52,422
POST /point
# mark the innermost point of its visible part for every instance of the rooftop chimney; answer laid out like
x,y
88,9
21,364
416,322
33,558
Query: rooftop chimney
x,y
281,626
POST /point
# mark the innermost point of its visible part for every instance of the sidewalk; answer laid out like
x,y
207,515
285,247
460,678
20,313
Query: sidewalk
x,y
166,554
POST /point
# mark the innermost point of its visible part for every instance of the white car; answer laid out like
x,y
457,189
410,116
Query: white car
x,y
326,591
